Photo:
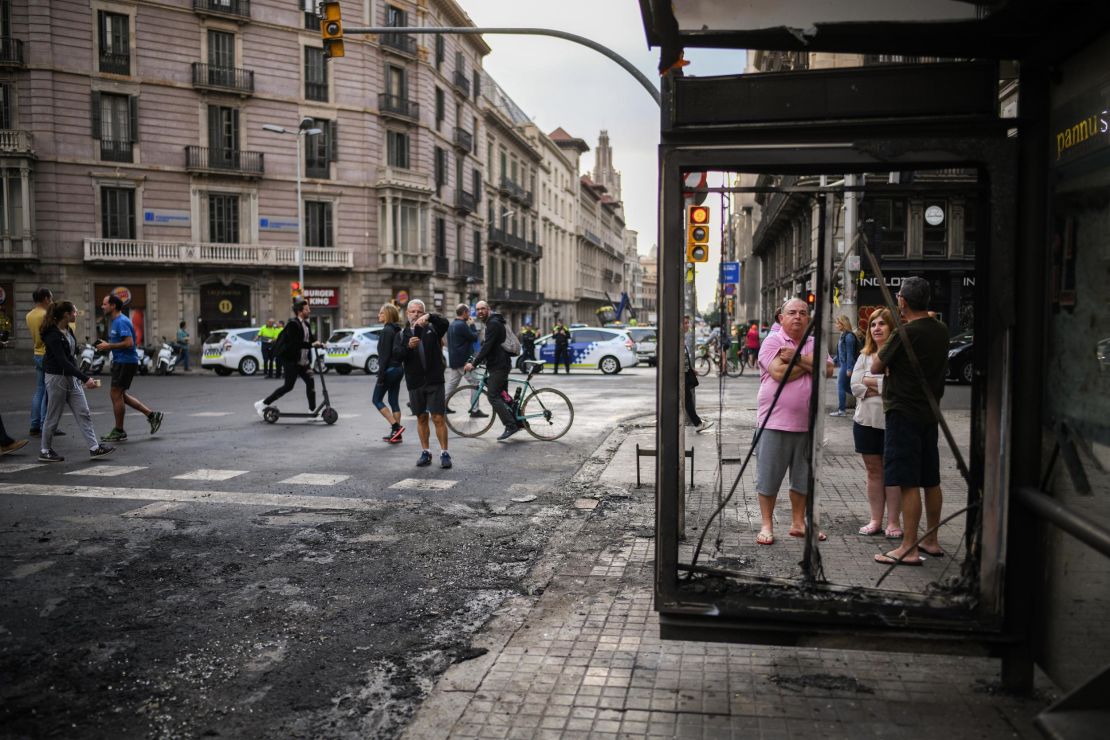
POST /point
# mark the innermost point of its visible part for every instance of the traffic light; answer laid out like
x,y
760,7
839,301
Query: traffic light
x,y
295,290
811,300
697,234
331,29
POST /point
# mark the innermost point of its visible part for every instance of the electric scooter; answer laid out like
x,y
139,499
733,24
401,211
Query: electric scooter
x,y
323,411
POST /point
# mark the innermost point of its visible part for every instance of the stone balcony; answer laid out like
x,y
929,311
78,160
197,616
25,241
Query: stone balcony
x,y
130,251
15,141
402,179
398,260
16,248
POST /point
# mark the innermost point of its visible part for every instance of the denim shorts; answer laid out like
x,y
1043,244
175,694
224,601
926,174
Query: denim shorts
x,y
910,455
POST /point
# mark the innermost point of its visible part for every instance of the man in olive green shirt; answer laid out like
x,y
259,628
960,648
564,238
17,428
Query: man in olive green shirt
x,y
267,335
43,298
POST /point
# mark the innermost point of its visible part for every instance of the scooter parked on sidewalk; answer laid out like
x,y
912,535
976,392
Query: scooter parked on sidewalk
x,y
323,411
92,362
167,359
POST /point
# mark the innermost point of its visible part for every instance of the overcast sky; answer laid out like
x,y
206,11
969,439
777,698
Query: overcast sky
x,y
559,83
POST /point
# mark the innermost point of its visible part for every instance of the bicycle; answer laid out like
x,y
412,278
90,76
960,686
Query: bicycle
x,y
704,360
545,413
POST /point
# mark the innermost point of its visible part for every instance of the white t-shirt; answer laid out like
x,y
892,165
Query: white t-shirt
x,y
869,411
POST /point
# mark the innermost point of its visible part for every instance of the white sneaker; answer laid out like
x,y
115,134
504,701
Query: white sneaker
x,y
260,407
703,426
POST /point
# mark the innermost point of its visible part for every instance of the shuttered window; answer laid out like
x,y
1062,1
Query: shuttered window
x,y
318,224
117,213
223,218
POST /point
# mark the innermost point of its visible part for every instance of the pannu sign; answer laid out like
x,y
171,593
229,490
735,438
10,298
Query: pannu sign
x,y
1082,125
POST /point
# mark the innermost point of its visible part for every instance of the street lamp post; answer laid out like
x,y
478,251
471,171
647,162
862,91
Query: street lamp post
x,y
306,128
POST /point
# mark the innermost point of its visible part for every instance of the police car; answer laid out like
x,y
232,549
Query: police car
x,y
226,350
608,350
347,349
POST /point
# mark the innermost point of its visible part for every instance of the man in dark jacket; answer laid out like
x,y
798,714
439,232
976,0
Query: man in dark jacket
x,y
561,335
422,347
293,350
498,363
461,337
527,343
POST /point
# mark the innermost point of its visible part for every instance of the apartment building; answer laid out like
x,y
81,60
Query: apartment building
x,y
650,301
512,164
143,156
558,213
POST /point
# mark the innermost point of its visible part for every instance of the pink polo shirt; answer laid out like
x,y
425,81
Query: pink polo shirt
x,y
792,411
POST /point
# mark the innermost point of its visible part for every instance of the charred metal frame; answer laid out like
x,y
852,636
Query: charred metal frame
x,y
856,120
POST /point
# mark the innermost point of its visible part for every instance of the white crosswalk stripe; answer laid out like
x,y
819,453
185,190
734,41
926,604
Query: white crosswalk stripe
x,y
19,467
427,484
107,471
213,413
152,510
200,497
210,474
315,479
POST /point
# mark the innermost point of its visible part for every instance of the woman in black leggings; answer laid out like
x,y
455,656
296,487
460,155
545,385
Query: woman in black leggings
x,y
390,372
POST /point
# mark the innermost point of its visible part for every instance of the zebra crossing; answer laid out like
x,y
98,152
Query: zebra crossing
x,y
200,474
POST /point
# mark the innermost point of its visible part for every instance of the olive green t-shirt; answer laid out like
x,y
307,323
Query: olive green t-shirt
x,y
904,386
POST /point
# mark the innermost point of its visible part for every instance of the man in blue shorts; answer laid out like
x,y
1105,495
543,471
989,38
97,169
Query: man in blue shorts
x,y
125,363
911,460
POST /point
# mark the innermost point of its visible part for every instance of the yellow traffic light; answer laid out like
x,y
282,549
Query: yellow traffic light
x,y
697,234
295,290
331,29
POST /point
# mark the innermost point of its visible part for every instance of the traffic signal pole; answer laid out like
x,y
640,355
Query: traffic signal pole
x,y
628,66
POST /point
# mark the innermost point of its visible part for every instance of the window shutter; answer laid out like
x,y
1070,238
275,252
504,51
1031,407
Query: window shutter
x,y
234,129
333,141
476,183
133,113
440,53
95,103
213,127
477,84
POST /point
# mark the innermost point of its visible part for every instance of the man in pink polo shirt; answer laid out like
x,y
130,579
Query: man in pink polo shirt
x,y
785,442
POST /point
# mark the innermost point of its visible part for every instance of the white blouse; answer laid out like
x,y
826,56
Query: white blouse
x,y
869,411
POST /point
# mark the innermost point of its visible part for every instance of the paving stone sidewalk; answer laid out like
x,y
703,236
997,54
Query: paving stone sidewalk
x,y
581,658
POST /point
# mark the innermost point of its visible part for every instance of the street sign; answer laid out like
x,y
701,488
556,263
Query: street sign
x,y
853,263
695,187
730,289
730,272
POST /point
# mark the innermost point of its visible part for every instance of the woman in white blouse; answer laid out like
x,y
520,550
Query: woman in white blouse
x,y
869,428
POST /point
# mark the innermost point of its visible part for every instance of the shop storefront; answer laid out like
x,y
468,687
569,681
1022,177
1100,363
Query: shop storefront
x,y
223,307
953,293
134,297
7,311
325,309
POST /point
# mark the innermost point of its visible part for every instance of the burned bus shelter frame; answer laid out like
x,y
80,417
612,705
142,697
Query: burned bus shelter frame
x,y
841,122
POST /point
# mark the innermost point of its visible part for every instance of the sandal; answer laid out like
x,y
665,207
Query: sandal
x,y
821,536
765,538
893,533
888,559
870,529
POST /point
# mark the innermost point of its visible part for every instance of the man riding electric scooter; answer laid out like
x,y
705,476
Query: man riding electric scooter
x,y
293,349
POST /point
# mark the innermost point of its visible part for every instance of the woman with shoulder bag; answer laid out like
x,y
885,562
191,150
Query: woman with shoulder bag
x,y
691,383
391,371
65,382
868,429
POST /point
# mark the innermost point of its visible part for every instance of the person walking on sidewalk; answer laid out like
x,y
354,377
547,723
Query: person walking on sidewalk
x,y
42,298
461,336
266,336
498,362
911,460
868,430
64,381
422,345
293,349
751,345
691,383
784,443
847,352
125,363
390,372
561,335
182,344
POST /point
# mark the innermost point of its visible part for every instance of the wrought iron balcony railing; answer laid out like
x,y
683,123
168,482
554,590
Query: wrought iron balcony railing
x,y
464,140
515,295
462,82
116,150
395,105
443,265
238,9
116,64
471,270
465,202
11,52
402,42
230,161
223,78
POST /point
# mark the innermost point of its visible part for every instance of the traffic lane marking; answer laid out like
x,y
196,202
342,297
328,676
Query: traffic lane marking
x,y
176,496
210,474
156,509
20,467
213,413
107,471
315,479
428,484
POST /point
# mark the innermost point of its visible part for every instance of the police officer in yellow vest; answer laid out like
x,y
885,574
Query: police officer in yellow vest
x,y
267,335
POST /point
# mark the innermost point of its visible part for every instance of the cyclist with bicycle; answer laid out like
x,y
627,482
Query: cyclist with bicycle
x,y
498,363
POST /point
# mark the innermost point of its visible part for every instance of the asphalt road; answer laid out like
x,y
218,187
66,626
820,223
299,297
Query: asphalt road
x,y
193,584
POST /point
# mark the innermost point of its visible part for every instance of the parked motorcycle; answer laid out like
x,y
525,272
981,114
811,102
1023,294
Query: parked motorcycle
x,y
167,358
146,359
91,361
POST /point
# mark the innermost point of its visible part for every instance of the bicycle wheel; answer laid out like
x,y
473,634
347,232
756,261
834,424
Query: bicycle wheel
x,y
734,369
702,366
473,414
547,414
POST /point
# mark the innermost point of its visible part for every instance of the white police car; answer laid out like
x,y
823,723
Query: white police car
x,y
226,350
347,349
609,350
